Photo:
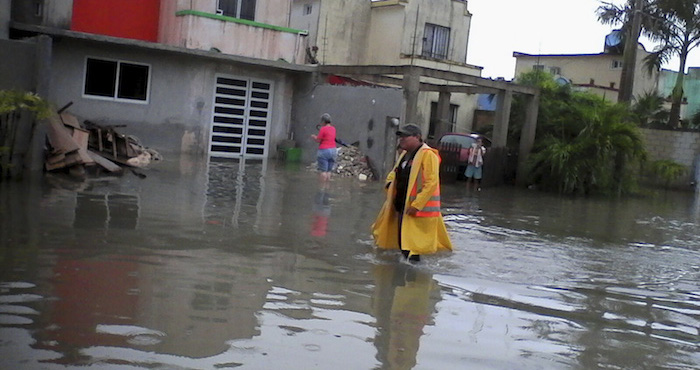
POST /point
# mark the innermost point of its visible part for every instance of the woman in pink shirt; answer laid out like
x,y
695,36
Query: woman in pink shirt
x,y
326,148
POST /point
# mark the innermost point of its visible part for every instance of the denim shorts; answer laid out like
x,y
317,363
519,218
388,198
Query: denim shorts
x,y
473,171
326,159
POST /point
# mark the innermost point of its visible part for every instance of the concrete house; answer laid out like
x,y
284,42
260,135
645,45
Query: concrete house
x,y
598,73
202,76
432,34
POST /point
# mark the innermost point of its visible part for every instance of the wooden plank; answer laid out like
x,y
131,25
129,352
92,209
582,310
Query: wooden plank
x,y
104,162
81,137
55,158
55,166
73,158
59,136
69,120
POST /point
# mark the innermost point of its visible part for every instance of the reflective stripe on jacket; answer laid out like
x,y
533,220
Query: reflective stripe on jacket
x,y
432,207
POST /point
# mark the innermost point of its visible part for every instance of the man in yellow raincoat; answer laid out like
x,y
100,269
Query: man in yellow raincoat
x,y
410,219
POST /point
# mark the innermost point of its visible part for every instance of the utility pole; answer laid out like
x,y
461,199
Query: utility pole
x,y
629,55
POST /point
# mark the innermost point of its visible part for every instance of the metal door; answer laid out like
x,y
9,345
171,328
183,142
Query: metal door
x,y
241,118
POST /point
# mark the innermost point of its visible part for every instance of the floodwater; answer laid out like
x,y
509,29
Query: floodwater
x,y
249,265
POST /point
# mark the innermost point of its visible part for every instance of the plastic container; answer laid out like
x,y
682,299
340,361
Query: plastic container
x,y
293,154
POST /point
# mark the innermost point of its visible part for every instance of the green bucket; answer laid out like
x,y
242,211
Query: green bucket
x,y
293,155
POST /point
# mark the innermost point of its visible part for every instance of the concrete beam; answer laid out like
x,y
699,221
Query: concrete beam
x,y
478,81
364,70
468,80
458,89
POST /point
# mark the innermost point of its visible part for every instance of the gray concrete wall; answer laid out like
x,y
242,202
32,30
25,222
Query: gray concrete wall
x,y
17,65
5,9
680,146
177,116
360,114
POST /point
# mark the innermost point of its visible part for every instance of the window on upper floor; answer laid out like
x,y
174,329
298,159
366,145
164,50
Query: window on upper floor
x,y
436,41
308,8
116,80
616,64
243,9
555,70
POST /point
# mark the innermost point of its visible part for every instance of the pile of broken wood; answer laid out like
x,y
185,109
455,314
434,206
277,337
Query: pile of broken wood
x,y
73,147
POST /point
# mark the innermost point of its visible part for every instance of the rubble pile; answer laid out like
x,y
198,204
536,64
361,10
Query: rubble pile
x,y
73,146
352,163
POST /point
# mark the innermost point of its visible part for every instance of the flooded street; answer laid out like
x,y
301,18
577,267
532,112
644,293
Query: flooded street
x,y
249,265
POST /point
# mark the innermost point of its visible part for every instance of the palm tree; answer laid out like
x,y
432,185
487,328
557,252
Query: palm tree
x,y
584,141
648,111
675,24
631,17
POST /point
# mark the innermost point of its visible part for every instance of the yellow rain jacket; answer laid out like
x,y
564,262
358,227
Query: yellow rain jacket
x,y
424,233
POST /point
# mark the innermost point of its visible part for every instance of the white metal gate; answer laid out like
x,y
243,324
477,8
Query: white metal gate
x,y
241,118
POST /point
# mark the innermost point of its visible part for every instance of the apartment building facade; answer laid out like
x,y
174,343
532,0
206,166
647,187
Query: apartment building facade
x,y
598,73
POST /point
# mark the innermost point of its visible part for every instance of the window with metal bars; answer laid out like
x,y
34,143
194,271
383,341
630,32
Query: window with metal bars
x,y
436,41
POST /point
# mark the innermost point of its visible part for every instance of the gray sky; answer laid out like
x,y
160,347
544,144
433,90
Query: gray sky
x,y
500,27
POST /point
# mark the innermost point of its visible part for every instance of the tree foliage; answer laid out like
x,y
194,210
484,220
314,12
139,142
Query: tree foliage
x,y
666,170
580,137
649,111
12,105
675,25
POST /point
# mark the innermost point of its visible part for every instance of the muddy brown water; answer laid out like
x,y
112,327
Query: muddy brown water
x,y
250,265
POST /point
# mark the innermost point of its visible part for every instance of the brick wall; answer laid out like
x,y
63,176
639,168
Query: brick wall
x,y
679,146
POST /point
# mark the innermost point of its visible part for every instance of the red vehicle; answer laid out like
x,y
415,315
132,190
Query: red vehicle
x,y
465,141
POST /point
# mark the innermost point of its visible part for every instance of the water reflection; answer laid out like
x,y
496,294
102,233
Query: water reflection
x,y
404,303
211,265
321,213
100,211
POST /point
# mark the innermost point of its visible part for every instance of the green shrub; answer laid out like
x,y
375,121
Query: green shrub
x,y
666,171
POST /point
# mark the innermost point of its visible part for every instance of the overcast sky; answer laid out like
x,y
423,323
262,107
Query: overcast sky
x,y
500,27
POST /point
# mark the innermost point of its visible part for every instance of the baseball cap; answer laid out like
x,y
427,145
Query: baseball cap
x,y
409,129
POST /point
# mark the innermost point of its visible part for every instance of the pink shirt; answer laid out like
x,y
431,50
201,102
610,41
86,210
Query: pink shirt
x,y
326,137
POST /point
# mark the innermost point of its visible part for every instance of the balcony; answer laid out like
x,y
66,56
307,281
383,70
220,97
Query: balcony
x,y
195,29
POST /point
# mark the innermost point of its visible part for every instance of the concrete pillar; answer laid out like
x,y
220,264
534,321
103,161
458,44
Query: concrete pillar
x,y
443,114
42,86
497,155
411,88
5,11
527,137
500,124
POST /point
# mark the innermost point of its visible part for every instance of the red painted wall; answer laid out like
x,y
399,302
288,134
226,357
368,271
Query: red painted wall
x,y
131,19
